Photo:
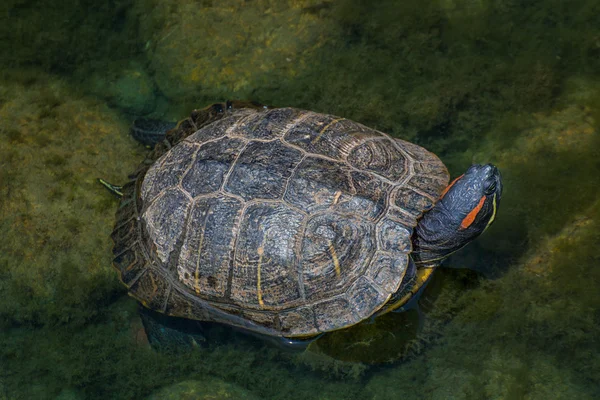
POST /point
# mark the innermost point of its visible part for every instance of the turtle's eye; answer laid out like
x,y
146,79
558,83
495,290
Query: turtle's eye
x,y
491,189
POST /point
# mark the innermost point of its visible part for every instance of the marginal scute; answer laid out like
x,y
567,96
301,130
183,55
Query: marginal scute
x,y
298,321
152,289
124,234
433,168
429,185
365,297
180,305
393,236
131,264
262,170
404,217
411,201
415,152
335,313
266,319
213,131
387,270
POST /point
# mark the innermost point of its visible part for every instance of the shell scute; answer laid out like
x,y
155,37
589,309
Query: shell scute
x,y
164,220
431,186
179,304
370,198
152,289
262,170
365,297
412,201
332,313
210,165
393,236
298,321
206,253
326,135
318,183
265,272
380,156
167,171
387,270
131,263
212,131
266,126
335,250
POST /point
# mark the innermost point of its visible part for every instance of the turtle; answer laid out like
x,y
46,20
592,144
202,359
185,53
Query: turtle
x,y
287,223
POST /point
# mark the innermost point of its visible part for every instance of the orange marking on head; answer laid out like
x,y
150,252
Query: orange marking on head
x,y
468,220
450,185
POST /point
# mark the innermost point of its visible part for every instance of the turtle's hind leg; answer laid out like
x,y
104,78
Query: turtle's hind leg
x,y
171,333
114,189
150,131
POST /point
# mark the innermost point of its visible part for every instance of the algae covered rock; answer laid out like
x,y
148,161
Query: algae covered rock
x,y
224,48
549,164
205,389
527,335
65,36
129,88
69,394
55,253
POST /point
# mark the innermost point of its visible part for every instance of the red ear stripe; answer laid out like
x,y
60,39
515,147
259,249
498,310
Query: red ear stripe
x,y
450,185
468,220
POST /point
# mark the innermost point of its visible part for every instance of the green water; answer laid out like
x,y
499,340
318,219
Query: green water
x,y
515,83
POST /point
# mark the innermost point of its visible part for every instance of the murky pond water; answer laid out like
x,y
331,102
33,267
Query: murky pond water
x,y
516,314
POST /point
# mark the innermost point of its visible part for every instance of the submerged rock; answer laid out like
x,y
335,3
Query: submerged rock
x,y
205,389
56,218
550,169
129,88
214,49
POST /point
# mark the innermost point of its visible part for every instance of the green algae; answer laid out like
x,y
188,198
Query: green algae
x,y
202,390
472,80
48,200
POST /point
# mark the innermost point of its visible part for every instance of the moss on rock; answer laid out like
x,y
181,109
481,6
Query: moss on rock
x,y
226,48
549,164
55,255
205,389
128,87
527,335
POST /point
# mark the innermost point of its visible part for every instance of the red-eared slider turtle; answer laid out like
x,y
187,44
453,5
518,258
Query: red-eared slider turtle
x,y
290,223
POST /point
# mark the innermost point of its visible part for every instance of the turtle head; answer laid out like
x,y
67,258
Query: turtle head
x,y
466,208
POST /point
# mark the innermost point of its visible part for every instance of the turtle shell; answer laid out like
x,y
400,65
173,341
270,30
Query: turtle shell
x,y
282,221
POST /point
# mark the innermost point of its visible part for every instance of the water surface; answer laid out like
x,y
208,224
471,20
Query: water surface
x,y
514,315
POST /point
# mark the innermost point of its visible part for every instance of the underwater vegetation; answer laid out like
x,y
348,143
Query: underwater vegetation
x,y
511,82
